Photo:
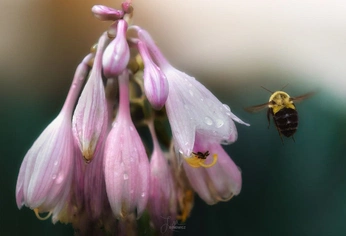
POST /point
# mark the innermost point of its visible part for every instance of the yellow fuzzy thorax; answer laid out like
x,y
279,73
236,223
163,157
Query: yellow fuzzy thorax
x,y
280,100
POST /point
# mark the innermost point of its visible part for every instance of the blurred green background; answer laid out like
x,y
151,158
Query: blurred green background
x,y
298,188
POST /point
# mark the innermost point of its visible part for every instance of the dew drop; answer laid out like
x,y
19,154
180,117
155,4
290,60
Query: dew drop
x,y
219,123
208,120
143,194
126,177
59,179
131,128
54,177
56,163
191,93
225,142
226,107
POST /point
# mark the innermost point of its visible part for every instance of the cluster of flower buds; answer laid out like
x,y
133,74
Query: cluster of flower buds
x,y
90,166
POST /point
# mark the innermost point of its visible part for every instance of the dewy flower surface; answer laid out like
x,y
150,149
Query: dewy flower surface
x,y
191,107
90,116
221,181
131,89
45,176
126,162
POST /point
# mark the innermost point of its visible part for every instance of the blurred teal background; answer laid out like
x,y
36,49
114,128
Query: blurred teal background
x,y
298,188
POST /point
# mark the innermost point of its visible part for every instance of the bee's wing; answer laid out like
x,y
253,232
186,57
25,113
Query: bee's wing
x,y
257,108
302,97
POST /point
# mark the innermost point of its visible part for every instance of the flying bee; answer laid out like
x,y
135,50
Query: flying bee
x,y
283,111
201,155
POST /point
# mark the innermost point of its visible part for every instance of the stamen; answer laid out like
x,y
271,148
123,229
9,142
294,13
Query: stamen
x,y
196,161
42,218
185,205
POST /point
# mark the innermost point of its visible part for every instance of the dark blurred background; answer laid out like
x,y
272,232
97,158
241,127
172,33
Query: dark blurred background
x,y
232,47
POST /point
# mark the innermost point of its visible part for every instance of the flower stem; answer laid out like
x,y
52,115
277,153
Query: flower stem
x,y
78,81
145,37
124,100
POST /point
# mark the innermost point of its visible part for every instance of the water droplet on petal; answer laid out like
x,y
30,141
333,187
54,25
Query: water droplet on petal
x,y
143,194
226,107
219,123
56,163
126,176
208,120
59,179
191,93
225,142
54,177
131,128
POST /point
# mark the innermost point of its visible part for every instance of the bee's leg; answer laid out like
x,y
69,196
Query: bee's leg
x,y
279,134
281,137
293,139
268,117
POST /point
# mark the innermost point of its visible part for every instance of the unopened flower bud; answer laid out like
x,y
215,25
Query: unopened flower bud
x,y
106,13
90,118
117,53
155,81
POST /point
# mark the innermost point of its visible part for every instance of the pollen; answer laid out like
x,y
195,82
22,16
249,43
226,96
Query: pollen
x,y
196,161
36,210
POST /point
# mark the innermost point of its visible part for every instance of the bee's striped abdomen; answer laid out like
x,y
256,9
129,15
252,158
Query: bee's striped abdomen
x,y
286,121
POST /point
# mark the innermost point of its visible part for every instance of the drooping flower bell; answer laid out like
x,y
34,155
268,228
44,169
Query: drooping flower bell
x,y
162,203
90,118
221,180
191,108
126,164
45,175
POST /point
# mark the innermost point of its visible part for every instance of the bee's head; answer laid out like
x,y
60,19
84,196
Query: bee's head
x,y
279,98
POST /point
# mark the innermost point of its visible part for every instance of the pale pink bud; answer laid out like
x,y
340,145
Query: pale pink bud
x,y
45,175
117,53
105,13
155,81
219,182
126,6
90,118
162,198
126,164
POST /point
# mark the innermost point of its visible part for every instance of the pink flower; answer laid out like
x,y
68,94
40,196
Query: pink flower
x,y
162,203
45,175
191,108
155,81
105,13
117,54
221,180
90,118
126,163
